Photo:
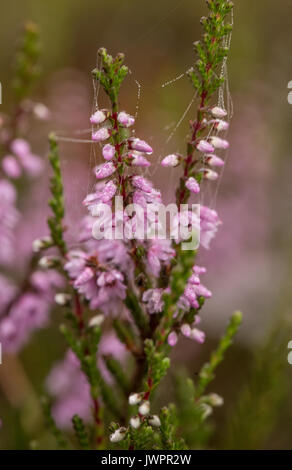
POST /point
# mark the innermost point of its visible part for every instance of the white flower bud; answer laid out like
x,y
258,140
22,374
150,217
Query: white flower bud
x,y
207,410
215,399
48,262
96,321
62,298
218,112
154,421
118,435
135,398
144,408
40,243
135,422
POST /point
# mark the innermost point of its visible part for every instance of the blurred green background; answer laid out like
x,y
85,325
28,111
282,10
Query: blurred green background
x,y
250,263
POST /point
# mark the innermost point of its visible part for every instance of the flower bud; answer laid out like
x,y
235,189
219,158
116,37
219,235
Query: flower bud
x,y
205,147
209,174
220,125
126,119
206,410
48,262
41,243
172,338
97,320
98,117
170,160
218,112
135,398
193,185
62,299
215,399
102,134
144,408
219,143
108,152
135,422
186,330
140,145
154,421
86,275
213,160
118,435
104,170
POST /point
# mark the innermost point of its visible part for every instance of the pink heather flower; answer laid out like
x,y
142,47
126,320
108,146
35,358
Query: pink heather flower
x,y
205,147
209,174
172,338
160,252
198,335
171,160
47,282
108,152
186,330
199,270
213,160
202,291
218,112
32,164
209,222
76,263
191,296
125,119
98,117
153,299
220,125
142,183
193,185
219,143
104,170
20,147
140,145
68,385
139,160
86,275
104,193
101,134
11,167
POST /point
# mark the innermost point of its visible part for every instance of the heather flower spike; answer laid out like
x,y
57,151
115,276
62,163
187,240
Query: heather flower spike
x,y
126,298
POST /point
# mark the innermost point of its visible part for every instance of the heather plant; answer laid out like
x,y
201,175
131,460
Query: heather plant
x,y
126,292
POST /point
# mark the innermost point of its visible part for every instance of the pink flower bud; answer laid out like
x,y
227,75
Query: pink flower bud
x,y
86,275
213,160
186,330
199,270
198,335
139,160
98,117
193,185
142,183
220,125
20,147
219,143
140,146
205,147
108,152
108,192
170,160
11,167
104,170
172,338
125,119
218,112
102,134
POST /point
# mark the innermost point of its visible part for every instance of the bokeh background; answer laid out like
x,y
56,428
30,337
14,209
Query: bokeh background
x,y
250,261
